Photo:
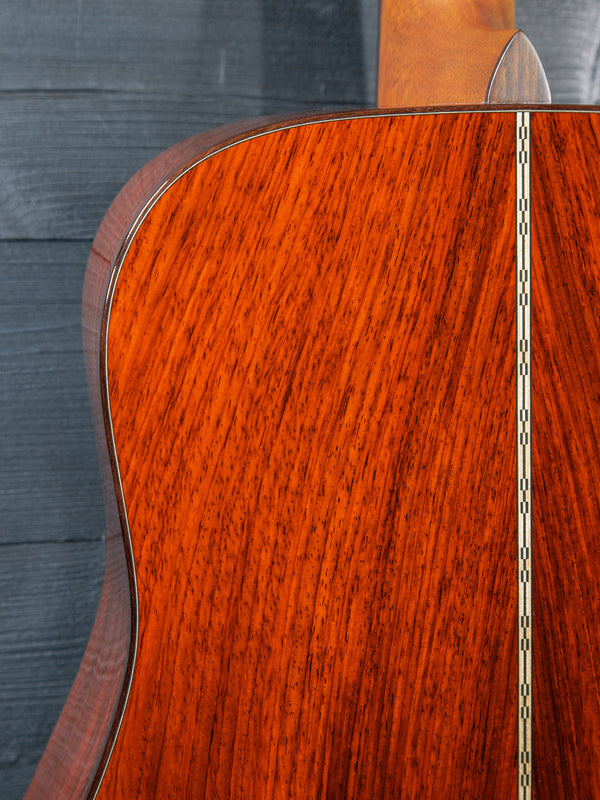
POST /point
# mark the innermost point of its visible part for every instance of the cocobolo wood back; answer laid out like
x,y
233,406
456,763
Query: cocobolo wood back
x,y
330,359
308,480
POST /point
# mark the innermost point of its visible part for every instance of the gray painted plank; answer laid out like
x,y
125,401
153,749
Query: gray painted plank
x,y
301,59
48,472
47,605
76,120
133,46
566,34
51,534
103,95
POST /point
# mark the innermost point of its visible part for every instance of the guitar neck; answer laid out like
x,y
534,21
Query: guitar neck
x,y
454,53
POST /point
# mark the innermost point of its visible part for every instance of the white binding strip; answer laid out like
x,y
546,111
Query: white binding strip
x,y
523,377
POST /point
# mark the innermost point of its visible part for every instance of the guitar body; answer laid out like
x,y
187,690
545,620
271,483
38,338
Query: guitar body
x,y
353,487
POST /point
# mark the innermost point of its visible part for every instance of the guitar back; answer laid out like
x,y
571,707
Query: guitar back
x,y
312,352
298,352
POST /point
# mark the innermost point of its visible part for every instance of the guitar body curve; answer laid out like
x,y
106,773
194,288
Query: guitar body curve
x,y
304,352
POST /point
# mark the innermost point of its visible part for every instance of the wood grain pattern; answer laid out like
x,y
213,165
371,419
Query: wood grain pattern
x,y
519,76
433,53
93,703
453,53
566,453
90,93
570,54
311,586
51,544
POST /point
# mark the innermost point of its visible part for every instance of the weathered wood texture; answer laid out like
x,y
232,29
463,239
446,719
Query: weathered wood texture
x,y
567,38
303,449
88,93
52,516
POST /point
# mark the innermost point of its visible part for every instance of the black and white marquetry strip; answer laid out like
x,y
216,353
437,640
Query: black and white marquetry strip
x,y
523,303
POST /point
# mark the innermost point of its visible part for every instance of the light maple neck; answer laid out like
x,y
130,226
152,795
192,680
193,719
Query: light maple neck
x,y
455,52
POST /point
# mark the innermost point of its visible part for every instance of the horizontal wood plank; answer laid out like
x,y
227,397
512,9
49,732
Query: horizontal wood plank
x,y
48,471
567,39
136,46
51,537
48,602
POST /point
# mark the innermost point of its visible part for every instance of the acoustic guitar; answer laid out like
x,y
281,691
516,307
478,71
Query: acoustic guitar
x,y
346,375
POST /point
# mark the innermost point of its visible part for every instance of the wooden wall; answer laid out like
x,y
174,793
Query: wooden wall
x,y
90,91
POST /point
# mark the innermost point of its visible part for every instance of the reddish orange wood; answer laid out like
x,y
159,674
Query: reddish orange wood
x,y
311,387
566,442
433,53
455,52
310,474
